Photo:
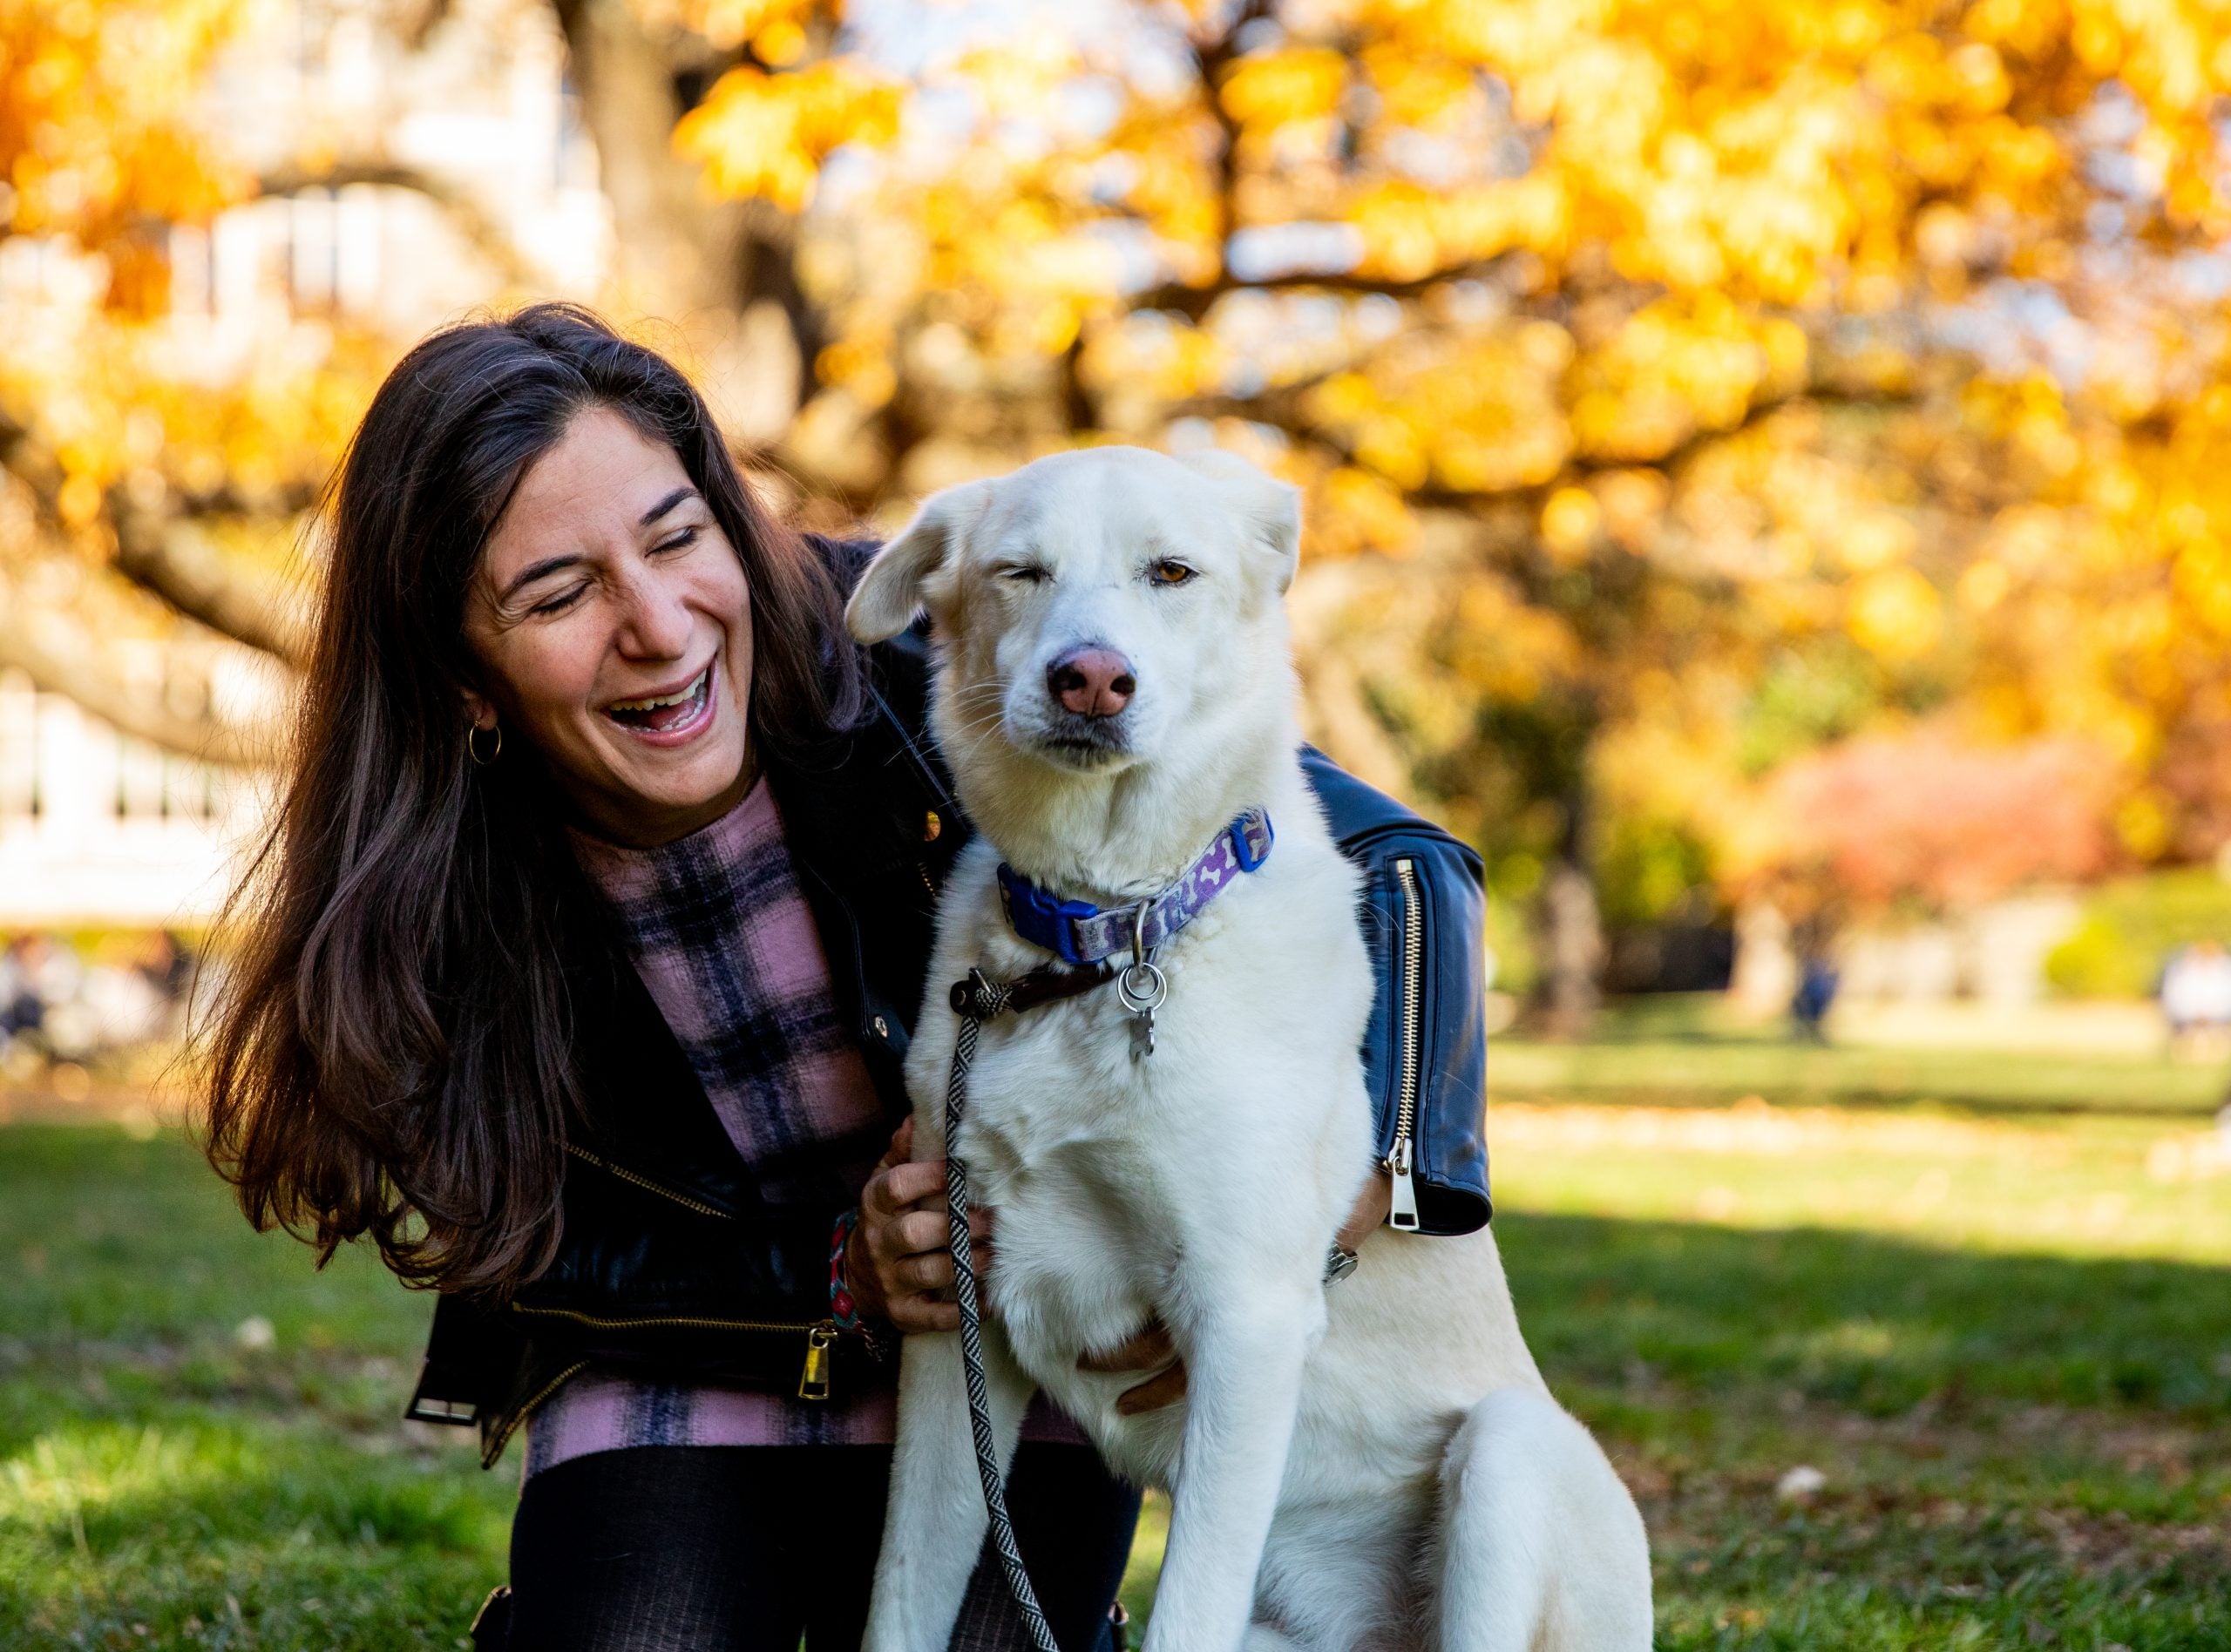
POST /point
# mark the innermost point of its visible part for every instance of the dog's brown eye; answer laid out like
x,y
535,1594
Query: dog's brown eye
x,y
1170,573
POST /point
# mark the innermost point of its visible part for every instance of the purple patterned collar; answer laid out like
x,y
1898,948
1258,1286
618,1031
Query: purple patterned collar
x,y
1080,933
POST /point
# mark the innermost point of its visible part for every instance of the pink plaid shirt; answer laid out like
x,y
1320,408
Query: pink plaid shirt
x,y
725,942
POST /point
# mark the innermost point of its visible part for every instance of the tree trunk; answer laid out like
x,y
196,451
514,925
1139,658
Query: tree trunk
x,y
670,243
679,255
1572,951
1571,924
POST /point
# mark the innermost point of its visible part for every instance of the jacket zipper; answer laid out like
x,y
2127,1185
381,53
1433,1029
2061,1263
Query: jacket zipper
x,y
512,1423
647,1185
1403,1214
813,1377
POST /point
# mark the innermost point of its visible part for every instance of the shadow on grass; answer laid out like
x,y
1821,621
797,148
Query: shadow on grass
x,y
1874,1324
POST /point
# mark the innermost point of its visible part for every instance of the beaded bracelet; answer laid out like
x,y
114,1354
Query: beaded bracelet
x,y
842,1307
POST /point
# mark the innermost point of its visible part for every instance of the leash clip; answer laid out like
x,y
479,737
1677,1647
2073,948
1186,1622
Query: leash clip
x,y
1142,986
978,998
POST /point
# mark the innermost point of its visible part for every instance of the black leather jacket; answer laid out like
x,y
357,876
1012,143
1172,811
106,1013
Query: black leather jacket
x,y
670,1265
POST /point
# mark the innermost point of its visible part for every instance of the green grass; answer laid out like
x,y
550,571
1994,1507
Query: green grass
x,y
160,1484
2004,1337
1683,1049
2019,1450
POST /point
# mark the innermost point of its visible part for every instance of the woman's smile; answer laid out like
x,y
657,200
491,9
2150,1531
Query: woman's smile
x,y
668,717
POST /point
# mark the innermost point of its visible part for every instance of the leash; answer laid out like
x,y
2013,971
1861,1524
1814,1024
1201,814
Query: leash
x,y
1088,938
977,1000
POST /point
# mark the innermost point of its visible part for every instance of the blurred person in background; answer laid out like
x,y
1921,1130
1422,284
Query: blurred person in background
x,y
2195,995
62,1008
1817,979
167,963
22,1012
40,983
577,972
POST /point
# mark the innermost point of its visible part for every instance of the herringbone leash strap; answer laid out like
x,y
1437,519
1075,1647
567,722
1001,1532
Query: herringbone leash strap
x,y
987,998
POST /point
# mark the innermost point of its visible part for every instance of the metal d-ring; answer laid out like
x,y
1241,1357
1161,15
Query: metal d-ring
x,y
1142,986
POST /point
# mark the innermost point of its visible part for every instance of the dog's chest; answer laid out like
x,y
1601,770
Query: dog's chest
x,y
1086,1149
1072,1082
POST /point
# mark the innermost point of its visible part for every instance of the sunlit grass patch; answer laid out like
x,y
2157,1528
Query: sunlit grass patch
x,y
1685,1049
215,1531
96,1488
2005,1343
199,1443
2082,1185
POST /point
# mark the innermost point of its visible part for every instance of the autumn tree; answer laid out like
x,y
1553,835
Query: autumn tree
x,y
153,490
154,493
1637,355
1676,386
96,151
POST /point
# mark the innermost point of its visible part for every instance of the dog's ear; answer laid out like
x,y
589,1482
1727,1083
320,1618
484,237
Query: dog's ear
x,y
1271,508
890,592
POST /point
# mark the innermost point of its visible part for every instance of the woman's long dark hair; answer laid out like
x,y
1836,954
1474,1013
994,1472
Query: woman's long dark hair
x,y
389,1053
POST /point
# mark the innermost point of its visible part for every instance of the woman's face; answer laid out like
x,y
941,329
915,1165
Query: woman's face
x,y
613,620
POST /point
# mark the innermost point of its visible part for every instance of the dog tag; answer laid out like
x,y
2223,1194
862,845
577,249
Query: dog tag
x,y
1142,988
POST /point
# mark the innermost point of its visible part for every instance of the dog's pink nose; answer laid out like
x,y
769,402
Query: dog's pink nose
x,y
1093,682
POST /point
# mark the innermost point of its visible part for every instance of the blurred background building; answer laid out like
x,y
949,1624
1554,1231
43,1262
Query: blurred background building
x,y
445,170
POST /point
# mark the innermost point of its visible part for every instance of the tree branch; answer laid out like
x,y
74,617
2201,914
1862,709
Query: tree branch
x,y
466,215
1281,408
163,555
1195,303
70,666
175,561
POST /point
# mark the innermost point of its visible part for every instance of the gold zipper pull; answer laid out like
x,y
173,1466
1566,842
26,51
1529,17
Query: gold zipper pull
x,y
813,1382
1403,1212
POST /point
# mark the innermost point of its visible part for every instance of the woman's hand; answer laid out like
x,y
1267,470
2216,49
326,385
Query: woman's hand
x,y
897,1265
1371,1209
1152,1349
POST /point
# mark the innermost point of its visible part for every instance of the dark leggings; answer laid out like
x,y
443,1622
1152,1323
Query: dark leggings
x,y
744,1548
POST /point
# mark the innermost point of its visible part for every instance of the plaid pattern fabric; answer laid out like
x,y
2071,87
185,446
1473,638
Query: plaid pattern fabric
x,y
724,939
721,934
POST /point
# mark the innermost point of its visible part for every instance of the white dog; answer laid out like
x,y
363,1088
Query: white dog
x,y
1376,1463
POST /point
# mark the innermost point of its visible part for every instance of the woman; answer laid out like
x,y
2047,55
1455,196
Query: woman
x,y
576,972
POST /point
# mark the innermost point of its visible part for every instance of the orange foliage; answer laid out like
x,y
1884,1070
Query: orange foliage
x,y
1927,817
1732,332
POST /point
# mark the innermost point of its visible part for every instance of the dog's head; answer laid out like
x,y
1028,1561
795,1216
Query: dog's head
x,y
1096,611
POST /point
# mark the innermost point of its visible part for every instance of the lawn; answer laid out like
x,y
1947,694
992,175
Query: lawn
x,y
2000,1334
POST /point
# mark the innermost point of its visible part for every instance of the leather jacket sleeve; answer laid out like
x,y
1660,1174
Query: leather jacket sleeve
x,y
1426,1047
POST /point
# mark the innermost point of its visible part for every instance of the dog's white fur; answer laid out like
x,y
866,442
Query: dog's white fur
x,y
1375,1465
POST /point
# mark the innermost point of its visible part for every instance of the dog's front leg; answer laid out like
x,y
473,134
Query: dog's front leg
x,y
1244,1348
936,1520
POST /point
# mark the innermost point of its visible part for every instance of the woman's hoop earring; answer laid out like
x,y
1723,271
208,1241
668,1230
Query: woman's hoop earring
x,y
472,743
